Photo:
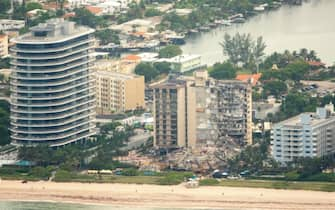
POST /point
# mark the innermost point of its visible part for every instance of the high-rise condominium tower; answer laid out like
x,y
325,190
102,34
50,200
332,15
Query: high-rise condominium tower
x,y
52,91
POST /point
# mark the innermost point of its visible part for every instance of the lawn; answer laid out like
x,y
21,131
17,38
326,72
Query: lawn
x,y
316,186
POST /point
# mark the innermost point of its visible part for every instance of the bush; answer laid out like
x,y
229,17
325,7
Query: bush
x,y
174,178
209,182
292,176
130,172
40,172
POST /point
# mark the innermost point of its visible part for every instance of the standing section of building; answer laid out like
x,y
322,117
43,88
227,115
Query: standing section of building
x,y
52,88
174,114
305,135
208,110
231,109
117,92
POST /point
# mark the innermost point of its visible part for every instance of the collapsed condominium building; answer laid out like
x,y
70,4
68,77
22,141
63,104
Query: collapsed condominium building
x,y
212,110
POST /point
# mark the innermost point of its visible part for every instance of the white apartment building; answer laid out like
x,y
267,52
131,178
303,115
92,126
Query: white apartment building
x,y
52,89
305,135
184,63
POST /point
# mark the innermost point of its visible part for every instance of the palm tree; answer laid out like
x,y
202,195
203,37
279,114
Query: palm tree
x,y
304,53
312,56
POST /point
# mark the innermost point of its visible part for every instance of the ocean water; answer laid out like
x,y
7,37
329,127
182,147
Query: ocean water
x,y
18,205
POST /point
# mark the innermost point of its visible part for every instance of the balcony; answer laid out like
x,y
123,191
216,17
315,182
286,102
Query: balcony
x,y
44,76
66,114
61,129
49,63
56,56
53,90
51,110
15,97
43,83
54,70
54,103
51,137
53,122
55,49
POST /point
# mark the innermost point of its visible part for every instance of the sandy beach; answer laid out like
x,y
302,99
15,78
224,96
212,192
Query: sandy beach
x,y
167,196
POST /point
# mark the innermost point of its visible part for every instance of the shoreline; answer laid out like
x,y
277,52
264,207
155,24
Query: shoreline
x,y
132,195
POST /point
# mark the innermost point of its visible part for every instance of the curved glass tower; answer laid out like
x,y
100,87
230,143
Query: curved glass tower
x,y
52,90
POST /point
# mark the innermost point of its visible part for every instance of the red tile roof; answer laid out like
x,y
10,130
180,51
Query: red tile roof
x,y
252,78
316,63
132,58
94,10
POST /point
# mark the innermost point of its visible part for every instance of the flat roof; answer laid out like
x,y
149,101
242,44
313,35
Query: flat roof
x,y
315,120
171,83
182,58
117,75
64,30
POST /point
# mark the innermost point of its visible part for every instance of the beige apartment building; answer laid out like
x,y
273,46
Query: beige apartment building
x,y
3,45
117,92
174,114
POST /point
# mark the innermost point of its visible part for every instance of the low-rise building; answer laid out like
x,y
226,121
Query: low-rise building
x,y
8,25
305,135
184,63
3,45
117,92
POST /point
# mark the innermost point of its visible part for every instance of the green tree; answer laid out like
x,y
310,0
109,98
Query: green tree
x,y
170,51
4,6
33,5
223,71
108,36
151,12
85,17
147,70
162,67
275,88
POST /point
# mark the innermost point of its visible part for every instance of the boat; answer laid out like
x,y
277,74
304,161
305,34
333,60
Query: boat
x,y
238,20
212,25
226,22
204,28
176,38
259,9
239,15
193,31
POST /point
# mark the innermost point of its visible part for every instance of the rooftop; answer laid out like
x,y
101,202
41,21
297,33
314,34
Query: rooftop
x,y
321,116
94,9
252,78
54,30
132,57
116,75
171,83
182,58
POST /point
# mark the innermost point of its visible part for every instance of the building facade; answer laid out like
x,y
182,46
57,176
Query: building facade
x,y
305,135
52,88
3,45
117,92
174,114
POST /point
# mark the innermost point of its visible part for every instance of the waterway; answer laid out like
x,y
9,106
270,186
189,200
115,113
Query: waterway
x,y
310,26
